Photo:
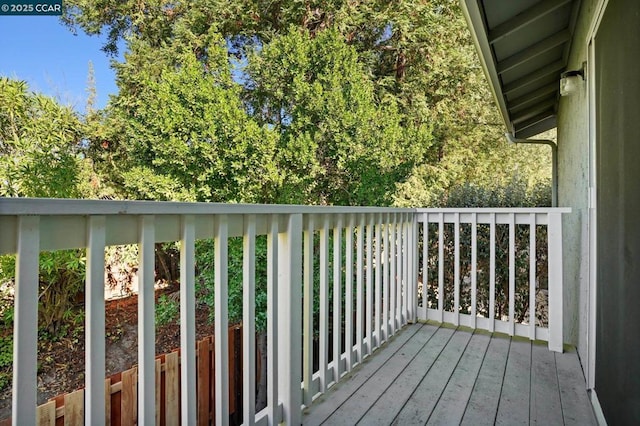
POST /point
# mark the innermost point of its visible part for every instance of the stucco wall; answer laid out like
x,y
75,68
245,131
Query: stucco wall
x,y
573,181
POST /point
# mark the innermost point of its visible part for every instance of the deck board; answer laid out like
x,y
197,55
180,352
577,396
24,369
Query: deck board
x,y
545,395
352,410
419,407
513,408
339,393
440,376
453,401
403,386
576,407
485,396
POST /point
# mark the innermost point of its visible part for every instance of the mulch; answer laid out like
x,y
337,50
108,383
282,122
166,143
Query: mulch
x,y
61,361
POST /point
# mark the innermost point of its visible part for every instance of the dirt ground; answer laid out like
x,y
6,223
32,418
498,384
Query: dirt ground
x,y
61,363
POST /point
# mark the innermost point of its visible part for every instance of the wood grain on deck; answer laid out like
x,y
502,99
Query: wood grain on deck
x,y
430,374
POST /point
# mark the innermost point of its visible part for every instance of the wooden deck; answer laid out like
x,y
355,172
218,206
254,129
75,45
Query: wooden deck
x,y
429,374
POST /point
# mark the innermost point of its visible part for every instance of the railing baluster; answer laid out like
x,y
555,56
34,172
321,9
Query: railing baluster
x,y
441,266
187,321
474,269
413,249
378,281
400,272
386,274
360,314
393,279
95,322
324,302
249,320
348,295
290,321
272,322
554,235
406,272
307,328
146,322
492,271
512,273
400,277
221,325
425,265
532,277
369,284
456,269
337,296
25,321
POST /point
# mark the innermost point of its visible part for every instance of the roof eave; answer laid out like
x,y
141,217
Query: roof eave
x,y
476,26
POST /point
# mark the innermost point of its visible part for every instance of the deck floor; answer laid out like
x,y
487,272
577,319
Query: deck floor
x,y
429,374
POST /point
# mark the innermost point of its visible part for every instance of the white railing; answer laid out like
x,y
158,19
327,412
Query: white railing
x,y
451,232
365,254
371,257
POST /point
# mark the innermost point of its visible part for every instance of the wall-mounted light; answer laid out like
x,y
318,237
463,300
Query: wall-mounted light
x,y
570,81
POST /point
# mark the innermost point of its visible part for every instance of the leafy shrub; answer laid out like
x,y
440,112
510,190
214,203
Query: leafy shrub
x,y
62,275
515,194
167,310
6,360
205,270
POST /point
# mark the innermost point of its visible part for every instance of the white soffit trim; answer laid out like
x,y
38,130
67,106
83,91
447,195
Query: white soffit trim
x,y
475,22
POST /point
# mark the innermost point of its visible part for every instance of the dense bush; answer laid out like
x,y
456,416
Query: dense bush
x,y
515,194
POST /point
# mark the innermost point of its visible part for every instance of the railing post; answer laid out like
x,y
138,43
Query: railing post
x,y
25,322
290,319
307,364
555,282
221,325
337,296
324,302
273,320
441,267
146,322
188,321
249,320
94,323
413,245
425,266
348,294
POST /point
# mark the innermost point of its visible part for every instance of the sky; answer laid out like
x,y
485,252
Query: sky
x,y
43,52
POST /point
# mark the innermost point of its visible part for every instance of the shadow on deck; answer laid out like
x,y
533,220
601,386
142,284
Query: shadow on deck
x,y
430,374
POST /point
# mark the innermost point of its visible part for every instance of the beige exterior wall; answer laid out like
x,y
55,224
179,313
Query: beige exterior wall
x,y
573,181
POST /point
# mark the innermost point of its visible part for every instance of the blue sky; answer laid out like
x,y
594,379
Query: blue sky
x,y
53,61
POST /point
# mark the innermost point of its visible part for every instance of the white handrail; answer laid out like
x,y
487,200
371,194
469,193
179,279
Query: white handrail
x,y
370,254
493,218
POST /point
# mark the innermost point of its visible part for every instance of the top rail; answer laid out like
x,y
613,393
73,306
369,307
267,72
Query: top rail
x,y
57,206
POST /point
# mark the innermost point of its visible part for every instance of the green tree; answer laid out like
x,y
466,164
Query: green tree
x,y
177,130
41,156
418,54
339,144
40,145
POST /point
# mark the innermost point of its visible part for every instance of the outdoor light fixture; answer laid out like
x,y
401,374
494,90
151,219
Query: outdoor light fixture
x,y
570,81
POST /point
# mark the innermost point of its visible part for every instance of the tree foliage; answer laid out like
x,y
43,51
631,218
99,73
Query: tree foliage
x,y
404,73
338,143
39,145
177,130
41,156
